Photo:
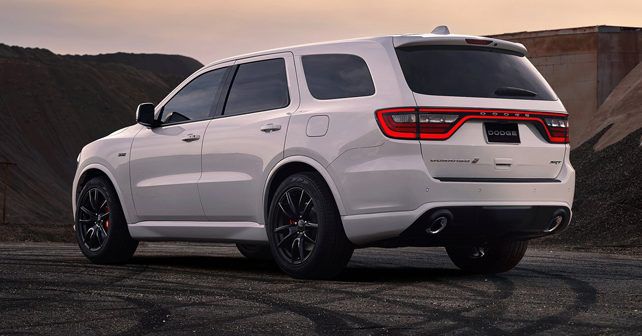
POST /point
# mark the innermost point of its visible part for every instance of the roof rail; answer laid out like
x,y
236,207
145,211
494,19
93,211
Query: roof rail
x,y
441,30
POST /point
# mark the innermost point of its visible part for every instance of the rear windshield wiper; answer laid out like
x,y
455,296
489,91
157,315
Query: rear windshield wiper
x,y
514,92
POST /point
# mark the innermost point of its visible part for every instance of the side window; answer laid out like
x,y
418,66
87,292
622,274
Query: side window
x,y
334,76
258,86
196,99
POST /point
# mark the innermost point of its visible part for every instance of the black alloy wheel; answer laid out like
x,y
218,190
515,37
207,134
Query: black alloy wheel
x,y
296,225
94,219
101,228
491,258
304,228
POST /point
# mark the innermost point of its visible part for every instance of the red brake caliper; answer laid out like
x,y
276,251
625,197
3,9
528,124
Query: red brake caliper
x,y
106,223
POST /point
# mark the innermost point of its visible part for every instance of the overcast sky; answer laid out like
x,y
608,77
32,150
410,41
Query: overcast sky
x,y
209,30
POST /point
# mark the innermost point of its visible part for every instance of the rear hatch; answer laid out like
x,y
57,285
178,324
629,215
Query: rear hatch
x,y
484,113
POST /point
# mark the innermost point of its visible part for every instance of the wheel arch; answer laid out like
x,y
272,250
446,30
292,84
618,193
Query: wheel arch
x,y
96,170
292,165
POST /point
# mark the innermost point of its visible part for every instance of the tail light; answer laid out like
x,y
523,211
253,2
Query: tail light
x,y
442,123
557,129
398,123
433,125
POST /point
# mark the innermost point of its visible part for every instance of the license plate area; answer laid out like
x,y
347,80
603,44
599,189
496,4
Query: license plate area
x,y
501,132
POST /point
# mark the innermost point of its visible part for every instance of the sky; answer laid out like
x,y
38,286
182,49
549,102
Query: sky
x,y
211,30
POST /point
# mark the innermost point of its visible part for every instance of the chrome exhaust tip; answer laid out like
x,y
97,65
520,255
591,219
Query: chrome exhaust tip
x,y
437,225
554,223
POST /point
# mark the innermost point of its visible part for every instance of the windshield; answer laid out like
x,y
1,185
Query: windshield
x,y
472,72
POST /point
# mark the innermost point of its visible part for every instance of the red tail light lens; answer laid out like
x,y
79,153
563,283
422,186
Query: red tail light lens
x,y
398,123
442,123
558,129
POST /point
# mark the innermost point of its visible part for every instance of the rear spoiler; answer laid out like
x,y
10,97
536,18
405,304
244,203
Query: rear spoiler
x,y
450,39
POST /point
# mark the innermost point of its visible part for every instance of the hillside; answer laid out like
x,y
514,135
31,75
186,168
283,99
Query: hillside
x,y
608,194
607,211
171,68
51,106
621,112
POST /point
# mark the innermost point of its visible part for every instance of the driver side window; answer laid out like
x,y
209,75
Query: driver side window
x,y
196,100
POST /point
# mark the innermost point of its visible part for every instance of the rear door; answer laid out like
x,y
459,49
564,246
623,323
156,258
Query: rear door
x,y
242,145
483,113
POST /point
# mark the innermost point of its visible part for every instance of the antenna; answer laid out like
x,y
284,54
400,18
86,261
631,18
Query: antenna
x,y
441,30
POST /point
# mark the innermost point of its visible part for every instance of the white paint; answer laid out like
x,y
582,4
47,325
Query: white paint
x,y
214,189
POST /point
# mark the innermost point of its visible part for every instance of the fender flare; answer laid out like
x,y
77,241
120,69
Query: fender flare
x,y
314,164
111,178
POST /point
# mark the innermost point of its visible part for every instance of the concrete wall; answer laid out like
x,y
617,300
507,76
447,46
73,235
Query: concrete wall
x,y
618,53
583,65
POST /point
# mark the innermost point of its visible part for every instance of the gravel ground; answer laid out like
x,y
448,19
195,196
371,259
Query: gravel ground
x,y
175,288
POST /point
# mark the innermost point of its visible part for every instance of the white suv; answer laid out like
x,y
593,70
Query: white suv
x,y
302,154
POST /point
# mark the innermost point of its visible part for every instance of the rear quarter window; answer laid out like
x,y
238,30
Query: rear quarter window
x,y
471,72
334,76
258,86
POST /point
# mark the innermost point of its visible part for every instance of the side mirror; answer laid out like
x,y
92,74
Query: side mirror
x,y
145,115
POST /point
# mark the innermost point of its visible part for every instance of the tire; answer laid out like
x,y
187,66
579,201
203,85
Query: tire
x,y
255,251
315,217
109,242
494,258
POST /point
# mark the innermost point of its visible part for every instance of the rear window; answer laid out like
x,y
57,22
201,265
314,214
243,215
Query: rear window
x,y
333,76
471,72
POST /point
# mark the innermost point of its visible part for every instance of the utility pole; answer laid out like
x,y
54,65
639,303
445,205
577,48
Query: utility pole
x,y
5,188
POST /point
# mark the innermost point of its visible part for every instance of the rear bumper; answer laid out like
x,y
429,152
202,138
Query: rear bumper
x,y
466,225
467,222
386,189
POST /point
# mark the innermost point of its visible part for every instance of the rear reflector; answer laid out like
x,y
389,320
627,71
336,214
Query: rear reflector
x,y
442,123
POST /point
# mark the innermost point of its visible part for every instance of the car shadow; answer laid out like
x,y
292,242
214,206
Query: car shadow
x,y
402,274
208,263
268,269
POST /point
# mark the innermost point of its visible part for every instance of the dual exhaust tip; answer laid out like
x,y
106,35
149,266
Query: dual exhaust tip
x,y
441,219
438,221
555,222
437,225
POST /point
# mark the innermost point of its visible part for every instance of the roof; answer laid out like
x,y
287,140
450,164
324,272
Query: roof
x,y
396,40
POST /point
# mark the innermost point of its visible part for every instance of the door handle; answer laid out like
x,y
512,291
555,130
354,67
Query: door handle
x,y
267,128
191,137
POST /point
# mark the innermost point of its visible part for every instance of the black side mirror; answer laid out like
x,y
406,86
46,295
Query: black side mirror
x,y
145,115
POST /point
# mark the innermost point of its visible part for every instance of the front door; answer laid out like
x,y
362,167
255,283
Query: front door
x,y
165,163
